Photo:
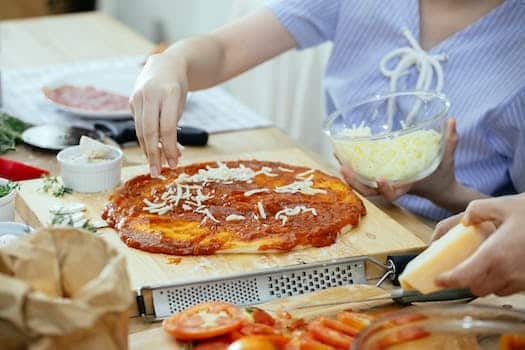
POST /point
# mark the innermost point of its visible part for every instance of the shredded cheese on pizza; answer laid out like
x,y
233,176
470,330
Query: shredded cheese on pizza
x,y
255,191
262,213
188,190
303,186
286,212
235,217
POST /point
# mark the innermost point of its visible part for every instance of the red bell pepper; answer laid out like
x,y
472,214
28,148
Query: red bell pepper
x,y
17,171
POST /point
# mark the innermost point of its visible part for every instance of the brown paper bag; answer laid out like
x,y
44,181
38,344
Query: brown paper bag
x,y
63,289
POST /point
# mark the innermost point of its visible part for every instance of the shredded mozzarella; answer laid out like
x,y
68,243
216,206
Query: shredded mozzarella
x,y
305,174
286,170
398,158
255,191
303,186
262,213
286,212
234,217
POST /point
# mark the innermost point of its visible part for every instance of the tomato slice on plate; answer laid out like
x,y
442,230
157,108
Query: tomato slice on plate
x,y
402,336
339,326
512,342
306,342
203,321
212,344
261,316
260,342
257,328
356,320
329,336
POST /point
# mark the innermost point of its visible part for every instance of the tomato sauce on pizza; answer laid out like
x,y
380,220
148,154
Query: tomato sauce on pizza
x,y
233,207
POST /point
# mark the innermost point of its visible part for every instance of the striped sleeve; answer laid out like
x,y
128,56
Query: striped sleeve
x,y
310,22
507,136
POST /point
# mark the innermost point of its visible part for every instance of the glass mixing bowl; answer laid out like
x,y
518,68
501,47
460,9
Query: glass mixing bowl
x,y
398,138
450,327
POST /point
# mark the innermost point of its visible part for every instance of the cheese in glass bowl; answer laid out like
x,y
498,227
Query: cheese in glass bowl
x,y
398,137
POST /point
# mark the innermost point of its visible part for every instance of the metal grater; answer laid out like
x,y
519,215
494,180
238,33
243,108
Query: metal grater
x,y
255,288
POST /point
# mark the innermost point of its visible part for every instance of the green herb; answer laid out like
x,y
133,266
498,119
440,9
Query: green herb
x,y
11,130
61,219
53,185
7,188
249,309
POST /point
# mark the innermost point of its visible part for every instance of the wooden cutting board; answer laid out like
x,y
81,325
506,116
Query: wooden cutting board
x,y
157,339
376,235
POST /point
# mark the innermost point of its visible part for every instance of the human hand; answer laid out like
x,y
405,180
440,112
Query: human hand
x,y
497,266
157,103
432,187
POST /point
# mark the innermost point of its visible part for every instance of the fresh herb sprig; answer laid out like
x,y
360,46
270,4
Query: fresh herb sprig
x,y
62,219
7,188
51,184
11,130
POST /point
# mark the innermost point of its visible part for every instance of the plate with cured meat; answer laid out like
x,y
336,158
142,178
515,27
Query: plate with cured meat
x,y
242,206
94,94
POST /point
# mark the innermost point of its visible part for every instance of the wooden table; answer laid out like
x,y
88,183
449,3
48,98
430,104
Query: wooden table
x,y
39,42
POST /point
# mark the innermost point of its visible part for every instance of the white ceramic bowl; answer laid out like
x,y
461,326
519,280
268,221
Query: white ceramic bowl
x,y
7,204
89,177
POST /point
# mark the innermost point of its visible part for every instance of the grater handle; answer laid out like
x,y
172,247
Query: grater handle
x,y
398,263
404,297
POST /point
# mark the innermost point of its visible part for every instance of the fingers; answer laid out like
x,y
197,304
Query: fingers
x,y
484,210
451,140
150,131
481,272
169,116
391,193
445,225
136,110
355,184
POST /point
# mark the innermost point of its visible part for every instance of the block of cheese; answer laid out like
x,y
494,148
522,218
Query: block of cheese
x,y
443,255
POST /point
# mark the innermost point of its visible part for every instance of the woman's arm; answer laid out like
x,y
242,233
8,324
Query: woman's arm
x,y
196,63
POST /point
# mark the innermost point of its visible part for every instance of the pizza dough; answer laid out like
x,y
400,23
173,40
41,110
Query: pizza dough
x,y
233,207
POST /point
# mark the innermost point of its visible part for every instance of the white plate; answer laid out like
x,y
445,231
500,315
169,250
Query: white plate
x,y
118,81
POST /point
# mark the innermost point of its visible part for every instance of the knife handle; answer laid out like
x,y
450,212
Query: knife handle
x,y
403,297
190,136
399,262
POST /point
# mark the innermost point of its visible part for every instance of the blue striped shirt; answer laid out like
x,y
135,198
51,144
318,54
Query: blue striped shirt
x,y
484,77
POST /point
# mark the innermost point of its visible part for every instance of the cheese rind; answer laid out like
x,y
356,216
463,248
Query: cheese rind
x,y
443,255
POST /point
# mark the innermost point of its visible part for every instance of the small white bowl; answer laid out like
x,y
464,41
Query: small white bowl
x,y
89,177
7,204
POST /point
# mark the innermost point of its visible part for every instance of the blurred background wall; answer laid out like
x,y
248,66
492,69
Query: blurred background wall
x,y
288,89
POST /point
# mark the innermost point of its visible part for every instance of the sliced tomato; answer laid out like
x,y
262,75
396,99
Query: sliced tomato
x,y
329,336
260,342
402,336
306,342
339,326
261,316
212,345
512,342
203,321
257,328
295,324
356,320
